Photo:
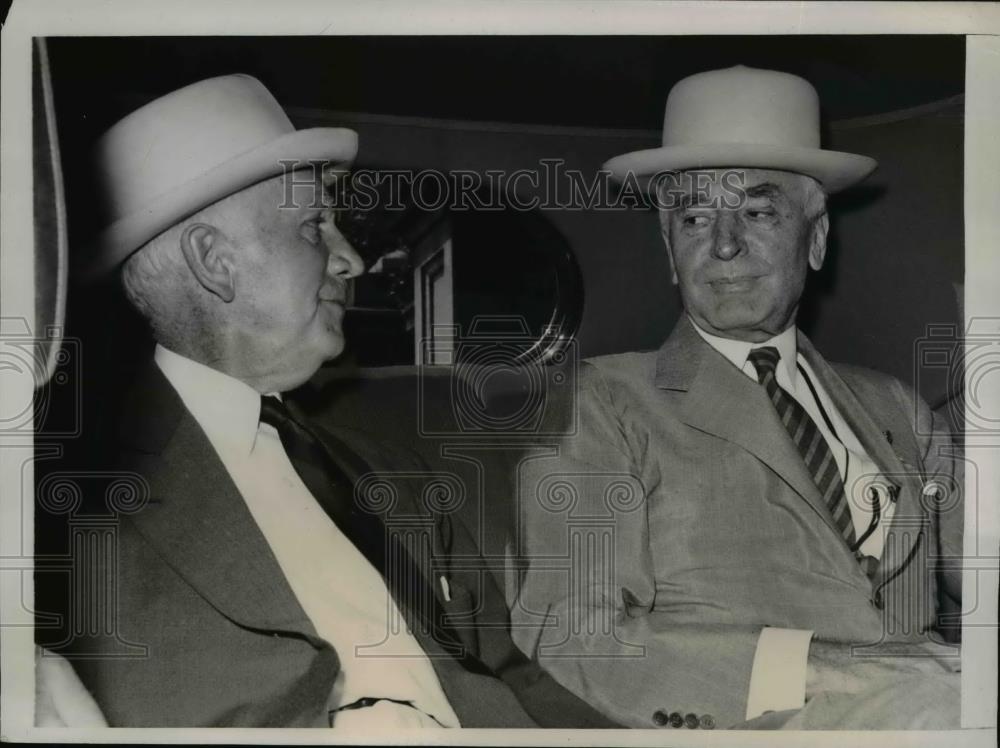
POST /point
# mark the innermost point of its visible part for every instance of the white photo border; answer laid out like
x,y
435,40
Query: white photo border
x,y
980,22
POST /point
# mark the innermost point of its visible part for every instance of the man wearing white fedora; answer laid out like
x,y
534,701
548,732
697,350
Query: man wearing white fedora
x,y
781,565
254,582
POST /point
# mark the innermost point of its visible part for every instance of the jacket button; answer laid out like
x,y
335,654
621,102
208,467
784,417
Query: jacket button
x,y
660,718
691,721
877,600
676,720
707,721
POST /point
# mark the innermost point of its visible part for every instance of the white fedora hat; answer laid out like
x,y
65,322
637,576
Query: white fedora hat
x,y
744,117
189,149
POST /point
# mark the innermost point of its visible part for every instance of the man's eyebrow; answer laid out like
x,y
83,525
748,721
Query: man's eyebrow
x,y
308,213
765,189
687,200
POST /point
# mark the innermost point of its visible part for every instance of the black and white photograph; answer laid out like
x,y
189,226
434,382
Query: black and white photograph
x,y
591,373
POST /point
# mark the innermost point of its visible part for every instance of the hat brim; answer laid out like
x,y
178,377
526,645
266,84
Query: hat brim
x,y
834,170
115,243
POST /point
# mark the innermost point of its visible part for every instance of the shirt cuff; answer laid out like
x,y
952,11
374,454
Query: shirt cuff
x,y
778,677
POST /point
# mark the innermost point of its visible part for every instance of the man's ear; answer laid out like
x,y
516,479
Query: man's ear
x,y
665,233
200,246
817,241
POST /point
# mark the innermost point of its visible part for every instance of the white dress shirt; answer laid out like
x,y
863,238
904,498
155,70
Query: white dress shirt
x,y
344,596
778,676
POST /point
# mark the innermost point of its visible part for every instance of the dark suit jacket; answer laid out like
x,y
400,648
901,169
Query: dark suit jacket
x,y
681,519
207,631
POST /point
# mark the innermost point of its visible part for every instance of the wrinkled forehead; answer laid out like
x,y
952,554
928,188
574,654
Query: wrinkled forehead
x,y
731,186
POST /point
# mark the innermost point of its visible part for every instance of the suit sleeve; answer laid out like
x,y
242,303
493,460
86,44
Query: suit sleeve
x,y
585,605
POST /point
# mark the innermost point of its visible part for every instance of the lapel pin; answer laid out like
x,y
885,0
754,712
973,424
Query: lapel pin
x,y
888,436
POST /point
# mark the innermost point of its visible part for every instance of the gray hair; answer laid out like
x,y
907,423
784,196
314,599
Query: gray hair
x,y
814,201
158,284
153,279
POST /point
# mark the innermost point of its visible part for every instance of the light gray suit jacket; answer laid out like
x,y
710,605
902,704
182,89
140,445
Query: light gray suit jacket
x,y
680,520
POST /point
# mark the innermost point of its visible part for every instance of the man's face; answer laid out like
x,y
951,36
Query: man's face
x,y
291,268
740,243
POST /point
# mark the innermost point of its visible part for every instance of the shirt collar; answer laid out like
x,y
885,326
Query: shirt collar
x,y
736,351
227,409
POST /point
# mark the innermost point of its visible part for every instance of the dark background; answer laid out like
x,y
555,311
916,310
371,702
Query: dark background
x,y
602,82
507,102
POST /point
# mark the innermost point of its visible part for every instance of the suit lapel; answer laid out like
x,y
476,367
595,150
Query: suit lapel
x,y
856,414
721,400
480,618
903,532
197,519
361,460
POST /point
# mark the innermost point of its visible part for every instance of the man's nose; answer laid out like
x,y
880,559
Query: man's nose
x,y
343,262
727,242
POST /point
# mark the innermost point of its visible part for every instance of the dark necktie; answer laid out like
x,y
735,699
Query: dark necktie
x,y
808,441
333,489
313,459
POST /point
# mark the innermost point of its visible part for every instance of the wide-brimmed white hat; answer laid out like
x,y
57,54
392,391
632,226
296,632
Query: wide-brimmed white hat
x,y
744,117
189,149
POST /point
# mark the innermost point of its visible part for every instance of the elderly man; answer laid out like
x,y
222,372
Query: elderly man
x,y
256,582
741,531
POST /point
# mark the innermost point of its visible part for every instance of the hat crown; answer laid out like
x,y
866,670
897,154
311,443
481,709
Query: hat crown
x,y
180,136
742,117
190,149
742,105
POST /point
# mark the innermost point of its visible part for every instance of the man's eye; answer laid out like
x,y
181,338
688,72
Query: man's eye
x,y
311,230
763,214
696,221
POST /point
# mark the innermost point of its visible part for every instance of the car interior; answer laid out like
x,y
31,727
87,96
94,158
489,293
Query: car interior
x,y
467,332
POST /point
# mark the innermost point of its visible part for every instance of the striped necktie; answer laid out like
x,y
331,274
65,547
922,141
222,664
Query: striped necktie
x,y
808,441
